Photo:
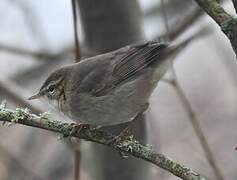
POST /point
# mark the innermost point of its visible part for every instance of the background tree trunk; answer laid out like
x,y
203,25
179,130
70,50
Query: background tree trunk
x,y
108,25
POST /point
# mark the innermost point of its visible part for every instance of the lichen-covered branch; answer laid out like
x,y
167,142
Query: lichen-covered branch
x,y
214,9
227,22
184,100
127,145
196,126
235,4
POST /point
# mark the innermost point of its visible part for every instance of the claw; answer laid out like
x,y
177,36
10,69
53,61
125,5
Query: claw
x,y
123,155
78,127
124,133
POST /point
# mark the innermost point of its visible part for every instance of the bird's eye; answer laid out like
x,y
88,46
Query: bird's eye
x,y
51,88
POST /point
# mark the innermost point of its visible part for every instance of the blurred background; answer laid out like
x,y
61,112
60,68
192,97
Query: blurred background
x,y
192,114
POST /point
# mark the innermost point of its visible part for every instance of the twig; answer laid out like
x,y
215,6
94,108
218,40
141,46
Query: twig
x,y
43,55
77,159
172,7
235,4
32,22
182,26
227,23
192,116
196,126
128,145
30,74
165,18
214,9
17,166
14,94
76,40
77,152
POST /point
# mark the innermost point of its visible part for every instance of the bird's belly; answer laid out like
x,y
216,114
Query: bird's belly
x,y
119,106
107,111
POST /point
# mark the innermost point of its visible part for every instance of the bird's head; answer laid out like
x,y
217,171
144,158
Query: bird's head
x,y
53,87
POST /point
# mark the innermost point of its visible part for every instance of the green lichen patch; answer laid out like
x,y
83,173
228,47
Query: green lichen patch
x,y
3,104
45,115
227,24
230,29
20,114
133,146
126,145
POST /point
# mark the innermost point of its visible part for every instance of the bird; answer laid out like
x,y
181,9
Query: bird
x,y
110,88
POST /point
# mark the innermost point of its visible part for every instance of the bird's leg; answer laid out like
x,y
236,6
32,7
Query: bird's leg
x,y
121,135
127,130
77,127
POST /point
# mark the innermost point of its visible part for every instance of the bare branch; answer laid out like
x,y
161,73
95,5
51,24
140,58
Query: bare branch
x,y
17,166
235,4
187,105
32,21
127,145
30,74
14,93
42,55
184,24
196,126
77,162
77,152
76,40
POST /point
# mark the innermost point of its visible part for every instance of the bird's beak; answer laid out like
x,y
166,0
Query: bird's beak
x,y
37,96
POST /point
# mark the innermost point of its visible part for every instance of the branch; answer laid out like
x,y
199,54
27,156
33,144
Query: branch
x,y
17,166
227,23
42,55
187,105
184,100
17,95
75,29
77,152
196,125
127,145
214,9
184,24
32,22
235,4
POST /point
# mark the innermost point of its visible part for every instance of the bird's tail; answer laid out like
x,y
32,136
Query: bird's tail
x,y
168,54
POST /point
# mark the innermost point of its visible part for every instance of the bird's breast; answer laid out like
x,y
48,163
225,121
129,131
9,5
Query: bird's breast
x,y
118,106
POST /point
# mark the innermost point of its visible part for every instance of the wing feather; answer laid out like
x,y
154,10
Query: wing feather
x,y
128,64
136,60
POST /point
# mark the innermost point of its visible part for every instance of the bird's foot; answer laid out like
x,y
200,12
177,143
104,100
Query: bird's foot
x,y
122,135
77,127
126,132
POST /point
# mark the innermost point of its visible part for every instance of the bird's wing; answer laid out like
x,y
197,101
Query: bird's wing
x,y
127,63
108,71
136,59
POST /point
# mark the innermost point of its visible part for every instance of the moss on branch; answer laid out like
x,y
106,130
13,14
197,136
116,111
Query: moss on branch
x,y
127,145
227,22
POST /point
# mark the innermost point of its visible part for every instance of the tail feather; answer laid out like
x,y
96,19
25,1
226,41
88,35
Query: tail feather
x,y
152,53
